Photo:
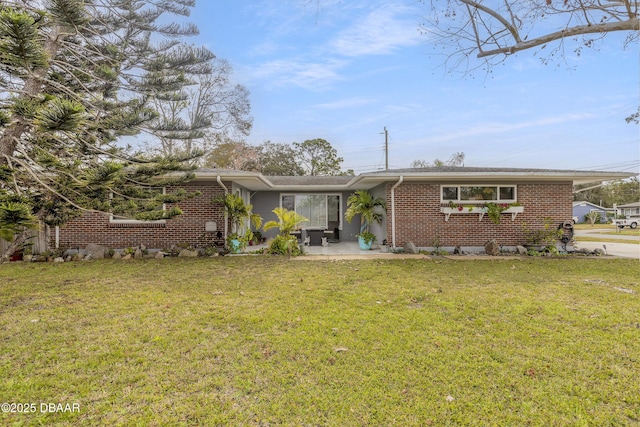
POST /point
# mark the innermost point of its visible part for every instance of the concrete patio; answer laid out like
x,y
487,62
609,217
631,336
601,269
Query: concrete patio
x,y
349,250
344,249
340,248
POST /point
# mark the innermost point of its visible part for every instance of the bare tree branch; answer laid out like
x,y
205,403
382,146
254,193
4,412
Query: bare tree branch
x,y
513,30
630,25
494,30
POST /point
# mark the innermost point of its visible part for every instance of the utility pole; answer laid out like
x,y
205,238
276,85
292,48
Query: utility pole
x,y
386,148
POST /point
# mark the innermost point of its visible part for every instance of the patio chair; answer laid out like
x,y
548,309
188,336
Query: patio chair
x,y
333,231
315,237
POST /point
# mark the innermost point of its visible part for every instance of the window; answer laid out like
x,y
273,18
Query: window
x,y
319,209
478,193
120,216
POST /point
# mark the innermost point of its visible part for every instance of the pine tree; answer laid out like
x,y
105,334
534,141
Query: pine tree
x,y
75,77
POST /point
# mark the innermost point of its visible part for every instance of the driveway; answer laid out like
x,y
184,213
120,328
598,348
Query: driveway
x,y
626,250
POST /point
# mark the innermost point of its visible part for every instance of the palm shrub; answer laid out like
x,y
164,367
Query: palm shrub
x,y
370,209
238,213
284,243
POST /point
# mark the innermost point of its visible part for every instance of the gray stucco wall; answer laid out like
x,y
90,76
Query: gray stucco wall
x,y
265,201
380,230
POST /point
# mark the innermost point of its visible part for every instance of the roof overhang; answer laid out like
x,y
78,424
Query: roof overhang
x,y
496,176
257,182
250,180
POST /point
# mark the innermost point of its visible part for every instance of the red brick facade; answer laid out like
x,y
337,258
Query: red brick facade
x,y
188,228
418,218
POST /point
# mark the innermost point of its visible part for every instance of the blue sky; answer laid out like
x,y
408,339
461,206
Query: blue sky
x,y
349,69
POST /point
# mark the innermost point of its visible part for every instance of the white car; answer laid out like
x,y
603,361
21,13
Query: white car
x,y
631,221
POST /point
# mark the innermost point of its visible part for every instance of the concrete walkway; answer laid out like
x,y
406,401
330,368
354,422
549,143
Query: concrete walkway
x,y
351,251
625,250
607,233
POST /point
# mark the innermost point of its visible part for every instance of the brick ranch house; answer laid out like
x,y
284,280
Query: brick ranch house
x,y
426,206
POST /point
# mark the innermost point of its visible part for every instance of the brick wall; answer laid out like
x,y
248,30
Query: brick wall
x,y
419,220
187,228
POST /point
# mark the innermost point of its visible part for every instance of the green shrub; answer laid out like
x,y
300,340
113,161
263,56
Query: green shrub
x,y
284,245
593,217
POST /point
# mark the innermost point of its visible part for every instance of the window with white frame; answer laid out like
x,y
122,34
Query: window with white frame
x,y
120,217
478,193
319,209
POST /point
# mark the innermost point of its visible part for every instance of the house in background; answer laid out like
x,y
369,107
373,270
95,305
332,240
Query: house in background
x,y
439,206
580,209
629,209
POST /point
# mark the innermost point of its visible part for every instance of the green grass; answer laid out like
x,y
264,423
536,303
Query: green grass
x,y
264,341
608,236
625,232
610,229
605,239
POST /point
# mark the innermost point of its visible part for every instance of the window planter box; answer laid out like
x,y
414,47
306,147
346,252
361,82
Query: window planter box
x,y
480,211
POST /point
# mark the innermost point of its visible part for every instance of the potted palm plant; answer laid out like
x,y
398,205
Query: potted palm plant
x,y
238,213
370,209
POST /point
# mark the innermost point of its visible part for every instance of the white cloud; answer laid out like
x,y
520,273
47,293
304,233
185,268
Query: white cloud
x,y
323,60
380,32
306,74
498,128
345,103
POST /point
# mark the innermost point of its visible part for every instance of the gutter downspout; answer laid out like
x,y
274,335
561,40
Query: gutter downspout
x,y
393,211
226,219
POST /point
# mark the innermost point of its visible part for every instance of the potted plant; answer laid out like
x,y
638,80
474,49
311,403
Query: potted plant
x,y
256,238
238,213
370,209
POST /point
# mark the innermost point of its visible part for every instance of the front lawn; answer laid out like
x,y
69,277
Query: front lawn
x,y
263,341
609,229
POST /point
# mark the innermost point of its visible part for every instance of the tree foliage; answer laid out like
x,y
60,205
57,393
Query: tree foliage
x,y
196,118
15,216
232,155
278,159
318,157
456,159
494,30
16,220
75,77
311,157
616,192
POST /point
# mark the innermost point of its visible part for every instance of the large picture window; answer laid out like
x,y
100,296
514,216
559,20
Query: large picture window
x,y
478,193
319,209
